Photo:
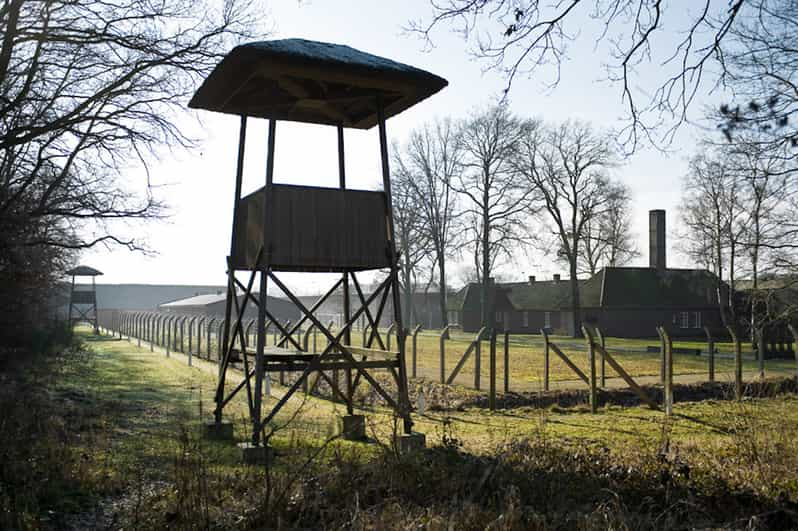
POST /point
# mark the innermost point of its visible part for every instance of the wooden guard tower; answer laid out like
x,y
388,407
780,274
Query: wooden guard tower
x,y
312,229
83,298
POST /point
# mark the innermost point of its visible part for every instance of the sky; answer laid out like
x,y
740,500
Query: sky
x,y
191,245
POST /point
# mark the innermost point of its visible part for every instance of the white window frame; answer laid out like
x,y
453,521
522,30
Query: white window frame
x,y
525,318
546,319
499,317
684,319
697,319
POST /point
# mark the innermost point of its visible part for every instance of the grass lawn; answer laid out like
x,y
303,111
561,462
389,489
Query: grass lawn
x,y
112,435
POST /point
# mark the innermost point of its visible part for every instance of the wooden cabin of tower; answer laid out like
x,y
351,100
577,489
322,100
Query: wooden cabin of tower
x,y
310,229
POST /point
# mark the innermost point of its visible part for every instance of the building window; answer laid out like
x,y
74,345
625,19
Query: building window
x,y
453,318
684,320
547,320
498,317
675,318
697,319
525,316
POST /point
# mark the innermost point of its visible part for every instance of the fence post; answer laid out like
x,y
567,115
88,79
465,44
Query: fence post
x,y
662,357
492,365
169,334
391,330
138,329
711,347
591,356
365,331
416,330
444,335
506,362
477,361
247,332
219,345
305,345
602,368
738,363
545,359
760,346
668,388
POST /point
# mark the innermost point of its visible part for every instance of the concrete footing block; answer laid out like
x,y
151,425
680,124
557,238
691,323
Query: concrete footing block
x,y
218,431
410,442
353,427
255,455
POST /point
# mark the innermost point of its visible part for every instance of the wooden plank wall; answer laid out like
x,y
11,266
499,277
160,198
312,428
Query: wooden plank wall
x,y
314,229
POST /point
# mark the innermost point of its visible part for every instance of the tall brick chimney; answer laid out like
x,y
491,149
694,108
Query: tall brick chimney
x,y
656,239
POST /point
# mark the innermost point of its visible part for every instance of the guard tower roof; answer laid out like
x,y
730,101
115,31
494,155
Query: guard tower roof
x,y
84,271
313,82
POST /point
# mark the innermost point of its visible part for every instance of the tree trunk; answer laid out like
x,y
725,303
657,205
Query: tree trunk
x,y
442,290
485,256
575,306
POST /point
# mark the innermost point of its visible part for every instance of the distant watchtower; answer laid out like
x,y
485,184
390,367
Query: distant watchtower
x,y
83,297
311,229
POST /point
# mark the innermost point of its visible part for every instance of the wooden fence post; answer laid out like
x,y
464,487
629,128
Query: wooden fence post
x,y
668,388
711,347
591,356
545,359
442,348
603,368
492,365
506,362
738,364
416,330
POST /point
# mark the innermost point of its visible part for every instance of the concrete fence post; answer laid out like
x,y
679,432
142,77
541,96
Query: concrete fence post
x,y
603,366
760,346
506,362
442,350
416,330
492,370
711,351
738,363
545,359
668,384
591,357
391,330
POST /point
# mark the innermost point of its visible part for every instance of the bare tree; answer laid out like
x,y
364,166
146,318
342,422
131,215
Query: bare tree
x,y
431,159
711,213
567,166
745,46
412,236
495,200
89,91
608,236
